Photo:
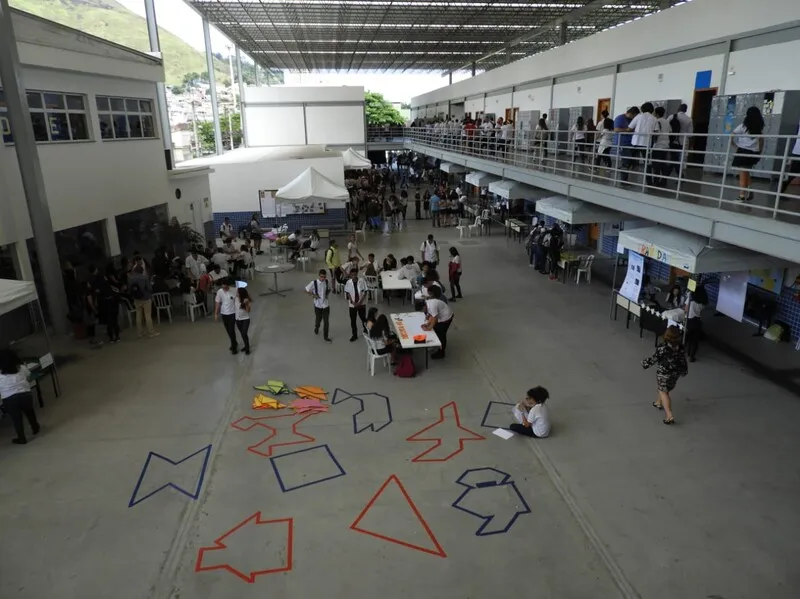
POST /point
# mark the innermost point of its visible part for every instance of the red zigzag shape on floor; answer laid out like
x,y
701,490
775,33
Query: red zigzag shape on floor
x,y
257,422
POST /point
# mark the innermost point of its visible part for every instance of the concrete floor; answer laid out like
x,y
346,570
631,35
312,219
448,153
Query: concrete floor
x,y
621,506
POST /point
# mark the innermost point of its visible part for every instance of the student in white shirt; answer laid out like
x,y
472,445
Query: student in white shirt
x,y
454,274
748,149
531,415
217,274
318,289
409,270
642,125
226,229
793,168
430,251
440,316
243,305
578,135
15,392
356,291
661,168
195,265
220,258
605,135
225,305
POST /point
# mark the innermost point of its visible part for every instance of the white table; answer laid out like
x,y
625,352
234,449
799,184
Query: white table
x,y
275,270
409,324
390,282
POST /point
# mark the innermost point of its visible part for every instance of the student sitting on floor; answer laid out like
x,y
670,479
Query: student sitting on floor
x,y
532,418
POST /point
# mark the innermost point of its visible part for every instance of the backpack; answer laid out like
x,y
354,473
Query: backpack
x,y
405,366
316,291
674,127
547,239
136,291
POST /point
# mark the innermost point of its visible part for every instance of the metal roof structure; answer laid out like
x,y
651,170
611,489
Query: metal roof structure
x,y
401,35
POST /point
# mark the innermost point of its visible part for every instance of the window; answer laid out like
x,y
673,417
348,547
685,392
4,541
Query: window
x,y
55,117
125,118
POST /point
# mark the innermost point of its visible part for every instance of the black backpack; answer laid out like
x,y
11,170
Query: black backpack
x,y
675,128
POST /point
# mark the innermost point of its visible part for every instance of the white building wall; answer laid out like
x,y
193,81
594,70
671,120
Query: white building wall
x,y
86,181
474,105
765,68
194,205
582,93
537,98
686,25
498,103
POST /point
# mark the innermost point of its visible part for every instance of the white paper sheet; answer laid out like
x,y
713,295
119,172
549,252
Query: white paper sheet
x,y
732,294
633,279
503,433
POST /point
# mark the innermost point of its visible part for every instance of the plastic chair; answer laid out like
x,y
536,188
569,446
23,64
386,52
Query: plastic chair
x,y
373,356
362,231
303,258
463,223
191,305
476,226
585,267
163,302
129,308
372,287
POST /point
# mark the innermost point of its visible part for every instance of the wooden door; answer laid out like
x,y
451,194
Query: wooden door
x,y
603,104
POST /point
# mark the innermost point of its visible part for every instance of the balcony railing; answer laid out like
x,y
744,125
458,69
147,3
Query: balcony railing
x,y
700,171
386,134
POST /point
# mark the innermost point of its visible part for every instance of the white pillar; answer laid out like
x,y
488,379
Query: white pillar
x,y
161,89
111,237
212,84
241,96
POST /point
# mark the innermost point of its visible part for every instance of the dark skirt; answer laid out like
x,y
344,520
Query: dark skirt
x,y
666,382
745,159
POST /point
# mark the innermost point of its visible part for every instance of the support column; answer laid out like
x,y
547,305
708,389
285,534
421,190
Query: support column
x,y
473,69
241,96
161,89
305,124
31,173
366,129
212,84
562,33
726,61
613,110
111,236
450,78
258,82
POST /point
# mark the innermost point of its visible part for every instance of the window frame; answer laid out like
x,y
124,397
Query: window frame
x,y
66,112
111,115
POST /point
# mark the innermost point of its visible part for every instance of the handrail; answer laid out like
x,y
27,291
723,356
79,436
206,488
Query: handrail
x,y
665,172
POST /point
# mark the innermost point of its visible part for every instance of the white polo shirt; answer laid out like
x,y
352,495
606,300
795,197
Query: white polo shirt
x,y
743,140
13,384
217,276
195,267
226,230
226,301
350,291
686,126
429,250
439,310
241,313
642,124
539,419
320,291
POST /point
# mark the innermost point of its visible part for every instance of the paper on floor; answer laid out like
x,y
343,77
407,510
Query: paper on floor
x,y
503,433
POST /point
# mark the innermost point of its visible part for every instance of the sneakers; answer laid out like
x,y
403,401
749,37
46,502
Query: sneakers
x,y
328,340
353,338
316,331
153,334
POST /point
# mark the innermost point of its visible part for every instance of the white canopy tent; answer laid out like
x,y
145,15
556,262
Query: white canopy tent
x,y
354,160
576,212
14,294
311,186
514,190
450,167
691,252
480,179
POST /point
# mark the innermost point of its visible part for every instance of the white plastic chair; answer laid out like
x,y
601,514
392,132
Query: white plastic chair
x,y
304,258
362,231
130,310
372,287
191,305
463,223
585,267
476,226
373,356
163,302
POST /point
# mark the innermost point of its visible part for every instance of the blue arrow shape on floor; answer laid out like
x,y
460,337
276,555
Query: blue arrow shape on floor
x,y
374,413
481,483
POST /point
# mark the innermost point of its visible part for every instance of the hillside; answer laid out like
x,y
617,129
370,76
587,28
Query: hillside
x,y
112,21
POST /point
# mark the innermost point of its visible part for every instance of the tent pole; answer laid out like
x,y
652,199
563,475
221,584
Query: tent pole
x,y
613,285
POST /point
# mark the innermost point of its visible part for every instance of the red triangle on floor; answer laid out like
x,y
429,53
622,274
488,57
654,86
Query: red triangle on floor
x,y
435,550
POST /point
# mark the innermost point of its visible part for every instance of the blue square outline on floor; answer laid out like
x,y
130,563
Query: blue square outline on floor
x,y
489,409
273,461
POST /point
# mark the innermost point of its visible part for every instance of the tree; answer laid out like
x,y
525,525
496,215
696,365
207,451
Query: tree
x,y
205,129
380,112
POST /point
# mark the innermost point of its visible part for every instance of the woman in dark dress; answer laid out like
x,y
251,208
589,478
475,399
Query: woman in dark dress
x,y
670,359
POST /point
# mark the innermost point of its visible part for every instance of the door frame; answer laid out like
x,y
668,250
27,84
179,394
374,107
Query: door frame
x,y
600,102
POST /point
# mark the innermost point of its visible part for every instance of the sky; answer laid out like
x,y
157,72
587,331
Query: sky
x,y
179,18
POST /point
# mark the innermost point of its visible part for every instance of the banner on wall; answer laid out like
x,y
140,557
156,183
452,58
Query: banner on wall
x,y
266,202
732,294
770,279
668,257
632,286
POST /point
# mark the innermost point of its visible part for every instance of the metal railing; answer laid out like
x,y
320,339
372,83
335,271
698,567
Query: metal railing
x,y
687,173
389,134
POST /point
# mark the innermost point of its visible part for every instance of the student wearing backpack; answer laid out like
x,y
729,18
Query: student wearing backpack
x,y
318,289
142,294
430,251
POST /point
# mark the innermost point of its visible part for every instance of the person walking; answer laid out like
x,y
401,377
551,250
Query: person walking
x,y
454,273
318,289
142,293
243,305
748,149
15,393
334,262
430,251
225,306
356,291
670,359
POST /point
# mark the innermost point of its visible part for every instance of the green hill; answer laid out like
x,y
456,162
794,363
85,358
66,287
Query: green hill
x,y
112,21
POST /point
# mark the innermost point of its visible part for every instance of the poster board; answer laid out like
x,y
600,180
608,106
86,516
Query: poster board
x,y
732,294
769,279
632,286
288,208
266,202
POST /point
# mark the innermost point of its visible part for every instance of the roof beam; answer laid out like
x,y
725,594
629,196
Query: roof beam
x,y
540,31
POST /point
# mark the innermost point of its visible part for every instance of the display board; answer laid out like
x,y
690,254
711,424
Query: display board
x,y
632,286
266,201
289,208
732,294
769,279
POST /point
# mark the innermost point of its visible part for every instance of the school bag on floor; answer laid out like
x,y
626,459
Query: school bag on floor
x,y
405,366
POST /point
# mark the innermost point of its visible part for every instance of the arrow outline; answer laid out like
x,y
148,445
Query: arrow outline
x,y
506,481
219,545
440,440
316,482
134,501
488,409
257,422
371,426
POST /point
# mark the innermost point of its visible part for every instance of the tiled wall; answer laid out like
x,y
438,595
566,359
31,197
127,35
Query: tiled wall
x,y
335,217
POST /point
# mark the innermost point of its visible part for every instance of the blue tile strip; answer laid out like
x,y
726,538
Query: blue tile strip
x,y
335,217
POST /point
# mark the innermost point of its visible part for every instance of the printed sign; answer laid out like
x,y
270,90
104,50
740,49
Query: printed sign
x,y
632,286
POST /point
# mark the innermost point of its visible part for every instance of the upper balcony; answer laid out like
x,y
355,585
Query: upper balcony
x,y
696,190
385,138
